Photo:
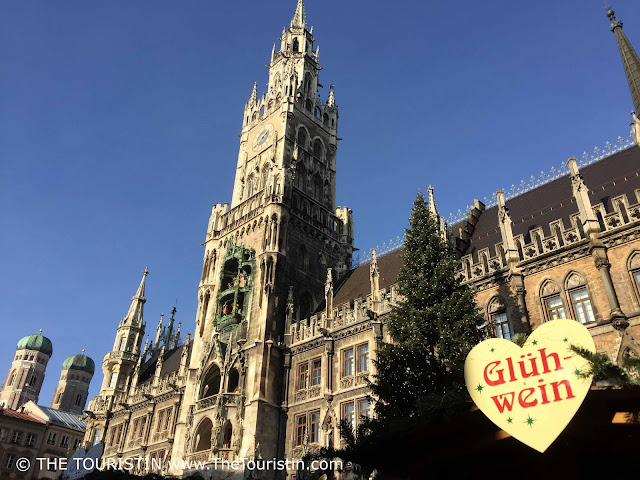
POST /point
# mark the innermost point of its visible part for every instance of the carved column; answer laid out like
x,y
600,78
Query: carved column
x,y
328,348
287,374
616,316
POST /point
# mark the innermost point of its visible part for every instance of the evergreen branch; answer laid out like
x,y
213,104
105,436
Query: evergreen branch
x,y
604,370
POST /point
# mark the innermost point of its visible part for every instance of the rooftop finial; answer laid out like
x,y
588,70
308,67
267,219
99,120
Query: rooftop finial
x,y
299,18
146,271
83,351
40,331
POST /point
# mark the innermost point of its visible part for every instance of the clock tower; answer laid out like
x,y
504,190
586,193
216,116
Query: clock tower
x,y
266,258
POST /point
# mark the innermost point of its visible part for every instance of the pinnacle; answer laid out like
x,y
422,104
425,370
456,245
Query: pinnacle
x,y
299,18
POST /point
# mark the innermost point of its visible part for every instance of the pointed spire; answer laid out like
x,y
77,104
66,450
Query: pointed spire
x,y
374,276
299,18
630,60
432,202
156,342
135,313
273,53
331,102
254,94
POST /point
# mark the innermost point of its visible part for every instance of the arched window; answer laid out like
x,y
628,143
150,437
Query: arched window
x,y
12,379
581,305
251,185
552,301
234,381
202,440
78,399
309,105
302,138
296,45
301,177
497,313
228,433
633,265
318,149
211,383
317,187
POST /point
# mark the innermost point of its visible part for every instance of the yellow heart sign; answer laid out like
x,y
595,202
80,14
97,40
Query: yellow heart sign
x,y
531,392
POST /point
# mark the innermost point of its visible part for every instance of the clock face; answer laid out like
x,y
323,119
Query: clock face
x,y
263,137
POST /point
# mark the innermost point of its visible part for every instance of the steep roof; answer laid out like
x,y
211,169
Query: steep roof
x,y
356,283
606,179
170,364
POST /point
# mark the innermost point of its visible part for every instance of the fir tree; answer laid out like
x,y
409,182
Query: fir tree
x,y
434,326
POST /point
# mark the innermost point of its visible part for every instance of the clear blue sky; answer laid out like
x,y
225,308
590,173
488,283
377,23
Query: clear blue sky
x,y
119,123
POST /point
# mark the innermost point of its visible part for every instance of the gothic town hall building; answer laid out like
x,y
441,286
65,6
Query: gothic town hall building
x,y
286,328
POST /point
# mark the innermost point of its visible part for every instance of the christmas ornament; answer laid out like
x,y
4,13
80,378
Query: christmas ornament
x,y
531,392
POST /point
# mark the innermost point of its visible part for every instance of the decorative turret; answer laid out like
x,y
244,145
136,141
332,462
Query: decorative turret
x,y
73,387
27,371
442,225
508,242
630,60
328,293
374,276
590,223
120,362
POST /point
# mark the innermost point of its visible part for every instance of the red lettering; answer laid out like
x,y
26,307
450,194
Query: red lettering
x,y
534,368
524,403
512,374
556,390
544,357
502,401
487,372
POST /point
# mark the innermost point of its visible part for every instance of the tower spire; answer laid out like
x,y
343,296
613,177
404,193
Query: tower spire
x,y
630,60
299,18
134,315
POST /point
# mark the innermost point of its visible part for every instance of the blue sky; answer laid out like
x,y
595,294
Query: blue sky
x,y
119,123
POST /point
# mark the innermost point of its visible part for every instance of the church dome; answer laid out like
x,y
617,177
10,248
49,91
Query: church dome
x,y
36,342
79,362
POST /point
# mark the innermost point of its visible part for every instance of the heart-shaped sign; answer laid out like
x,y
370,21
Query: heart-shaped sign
x,y
531,392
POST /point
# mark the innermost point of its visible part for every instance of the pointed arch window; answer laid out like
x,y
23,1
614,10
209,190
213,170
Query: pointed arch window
x,y
499,319
552,301
634,270
581,304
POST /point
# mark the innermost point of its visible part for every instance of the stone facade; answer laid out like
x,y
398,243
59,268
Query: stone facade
x,y
285,331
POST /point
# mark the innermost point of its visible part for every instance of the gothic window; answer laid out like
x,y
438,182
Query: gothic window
x,y
78,399
228,433
296,45
251,185
307,83
123,344
314,427
234,381
552,302
303,376
348,362
325,118
211,382
301,177
202,439
33,381
309,105
12,378
301,428
633,266
498,318
349,413
59,397
114,380
363,358
581,304
317,187
302,138
316,372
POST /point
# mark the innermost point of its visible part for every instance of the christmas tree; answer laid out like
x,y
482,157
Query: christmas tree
x,y
433,327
